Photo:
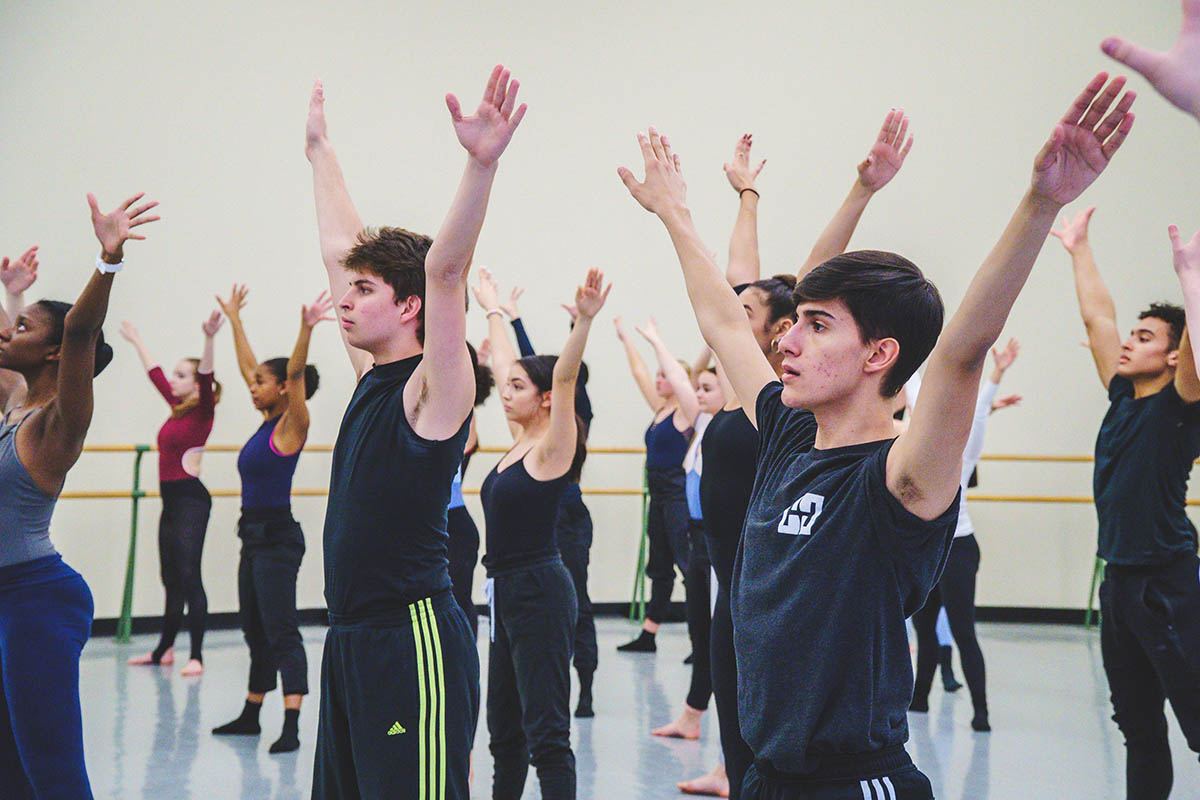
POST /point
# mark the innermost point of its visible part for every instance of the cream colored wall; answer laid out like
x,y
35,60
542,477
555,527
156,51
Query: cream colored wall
x,y
202,105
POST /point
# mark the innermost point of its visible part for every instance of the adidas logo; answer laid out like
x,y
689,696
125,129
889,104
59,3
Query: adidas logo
x,y
396,729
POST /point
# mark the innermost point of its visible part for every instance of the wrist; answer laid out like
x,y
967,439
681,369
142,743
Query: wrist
x,y
675,214
746,193
474,165
489,312
114,257
996,375
860,191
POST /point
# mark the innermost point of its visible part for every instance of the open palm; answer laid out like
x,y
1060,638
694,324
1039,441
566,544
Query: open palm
x,y
1175,73
590,297
1186,254
116,228
887,153
19,275
488,131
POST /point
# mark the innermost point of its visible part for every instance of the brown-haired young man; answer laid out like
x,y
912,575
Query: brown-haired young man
x,y
400,674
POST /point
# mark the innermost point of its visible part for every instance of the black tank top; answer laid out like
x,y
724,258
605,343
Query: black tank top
x,y
385,527
730,448
519,513
665,444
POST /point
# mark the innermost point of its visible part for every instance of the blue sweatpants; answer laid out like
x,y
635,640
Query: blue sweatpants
x,y
45,620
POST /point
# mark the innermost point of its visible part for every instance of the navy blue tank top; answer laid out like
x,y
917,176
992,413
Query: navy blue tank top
x,y
519,512
665,444
385,526
266,473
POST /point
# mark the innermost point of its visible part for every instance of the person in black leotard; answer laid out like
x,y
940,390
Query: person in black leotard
x,y
532,597
272,541
672,398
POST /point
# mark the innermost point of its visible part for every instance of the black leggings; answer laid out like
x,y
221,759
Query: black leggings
x,y
738,757
667,532
186,505
463,553
699,616
955,591
272,548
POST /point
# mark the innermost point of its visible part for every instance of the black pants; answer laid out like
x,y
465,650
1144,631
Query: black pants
x,y
272,548
667,531
399,700
955,591
573,527
529,680
723,665
1150,640
463,553
181,527
699,616
889,775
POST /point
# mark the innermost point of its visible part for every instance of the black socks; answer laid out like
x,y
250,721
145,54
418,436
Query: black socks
x,y
245,725
289,738
946,665
584,708
644,643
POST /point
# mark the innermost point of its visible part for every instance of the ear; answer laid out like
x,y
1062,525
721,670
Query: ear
x,y
881,356
781,326
1173,358
545,401
55,353
410,309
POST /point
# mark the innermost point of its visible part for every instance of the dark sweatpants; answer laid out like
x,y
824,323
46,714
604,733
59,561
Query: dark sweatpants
x,y
399,700
272,548
1150,641
667,532
463,554
186,505
956,591
45,620
529,679
573,528
888,775
738,756
699,616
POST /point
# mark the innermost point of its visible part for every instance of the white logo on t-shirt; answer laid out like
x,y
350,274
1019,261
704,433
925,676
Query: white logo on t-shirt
x,y
798,520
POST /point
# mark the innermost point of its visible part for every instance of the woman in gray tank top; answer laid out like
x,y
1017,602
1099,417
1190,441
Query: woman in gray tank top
x,y
56,349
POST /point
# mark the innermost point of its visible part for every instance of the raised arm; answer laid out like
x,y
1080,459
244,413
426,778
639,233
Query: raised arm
x,y
1002,360
882,163
743,266
923,469
338,223
681,384
1095,303
446,373
487,294
513,310
210,327
292,429
131,334
1175,73
247,363
1187,268
718,311
17,276
703,359
637,367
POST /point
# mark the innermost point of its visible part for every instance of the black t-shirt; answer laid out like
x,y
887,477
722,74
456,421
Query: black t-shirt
x,y
730,448
1144,455
830,566
385,526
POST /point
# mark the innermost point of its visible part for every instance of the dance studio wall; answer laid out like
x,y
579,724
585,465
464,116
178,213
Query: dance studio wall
x,y
202,105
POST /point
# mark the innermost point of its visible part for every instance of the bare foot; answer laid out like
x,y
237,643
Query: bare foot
x,y
685,726
193,667
168,658
714,784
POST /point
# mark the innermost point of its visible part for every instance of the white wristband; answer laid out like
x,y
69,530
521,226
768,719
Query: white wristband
x,y
494,311
104,268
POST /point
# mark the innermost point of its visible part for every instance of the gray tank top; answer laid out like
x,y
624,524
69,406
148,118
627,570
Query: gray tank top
x,y
25,510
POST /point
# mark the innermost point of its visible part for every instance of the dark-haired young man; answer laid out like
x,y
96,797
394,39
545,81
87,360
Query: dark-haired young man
x,y
400,674
1150,598
848,528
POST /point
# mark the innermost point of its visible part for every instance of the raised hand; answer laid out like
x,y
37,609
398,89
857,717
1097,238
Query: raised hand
x,y
887,153
1175,73
116,228
620,326
1074,232
484,352
571,310
511,307
129,332
1006,401
1003,359
19,275
211,325
488,131
1083,141
664,190
486,292
1187,255
590,297
236,302
739,172
315,131
649,331
317,311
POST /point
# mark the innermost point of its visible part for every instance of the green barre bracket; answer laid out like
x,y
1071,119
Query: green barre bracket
x,y
637,604
1097,571
125,623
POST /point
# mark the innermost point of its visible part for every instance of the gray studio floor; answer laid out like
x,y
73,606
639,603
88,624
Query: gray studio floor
x,y
147,729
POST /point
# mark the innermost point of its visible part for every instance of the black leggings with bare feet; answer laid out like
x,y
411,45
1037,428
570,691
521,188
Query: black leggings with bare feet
x,y
181,529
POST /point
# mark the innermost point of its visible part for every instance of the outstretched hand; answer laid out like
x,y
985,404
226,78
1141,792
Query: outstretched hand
x,y
511,308
211,325
590,297
1187,255
1003,359
649,331
620,326
1074,232
1174,73
739,172
236,302
116,228
486,292
129,332
1083,142
1006,401
663,191
317,311
315,130
19,275
488,131
887,153
484,352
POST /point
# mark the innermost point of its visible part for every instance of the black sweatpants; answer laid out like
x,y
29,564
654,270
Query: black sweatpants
x,y
699,616
888,775
723,664
529,679
955,591
667,532
186,505
463,553
272,548
1150,641
573,527
399,700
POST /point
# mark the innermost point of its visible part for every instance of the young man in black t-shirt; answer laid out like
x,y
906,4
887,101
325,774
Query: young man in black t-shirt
x,y
848,528
400,673
1150,598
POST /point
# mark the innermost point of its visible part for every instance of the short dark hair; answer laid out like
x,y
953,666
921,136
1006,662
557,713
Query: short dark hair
x,y
540,370
278,369
398,257
778,290
57,311
1173,315
888,297
485,379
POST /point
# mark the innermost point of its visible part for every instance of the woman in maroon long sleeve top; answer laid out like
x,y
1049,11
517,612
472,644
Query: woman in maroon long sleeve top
x,y
192,394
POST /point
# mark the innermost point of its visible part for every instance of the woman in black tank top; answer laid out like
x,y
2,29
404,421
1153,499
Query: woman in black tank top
x,y
532,598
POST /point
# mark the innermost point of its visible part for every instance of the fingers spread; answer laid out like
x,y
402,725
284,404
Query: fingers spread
x,y
1113,143
1085,98
489,91
1101,104
518,116
656,144
510,100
